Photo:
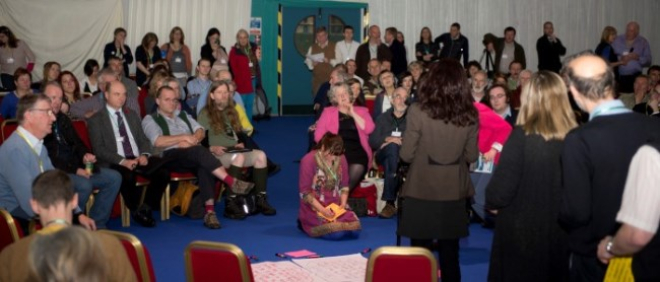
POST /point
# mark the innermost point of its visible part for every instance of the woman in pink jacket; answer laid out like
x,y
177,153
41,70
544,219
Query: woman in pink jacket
x,y
493,132
353,124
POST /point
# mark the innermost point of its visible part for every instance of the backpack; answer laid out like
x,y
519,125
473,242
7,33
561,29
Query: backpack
x,y
261,109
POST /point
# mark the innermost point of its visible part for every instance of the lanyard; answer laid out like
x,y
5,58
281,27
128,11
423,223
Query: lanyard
x,y
332,172
41,163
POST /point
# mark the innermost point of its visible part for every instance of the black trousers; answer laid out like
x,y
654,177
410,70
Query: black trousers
x,y
585,268
159,179
627,83
7,82
447,254
197,160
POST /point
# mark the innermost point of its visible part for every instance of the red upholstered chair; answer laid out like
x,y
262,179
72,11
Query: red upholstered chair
x,y
81,128
370,103
401,264
137,254
10,231
212,261
8,127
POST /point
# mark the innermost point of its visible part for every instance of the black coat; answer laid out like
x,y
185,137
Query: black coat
x,y
399,59
549,54
69,161
528,244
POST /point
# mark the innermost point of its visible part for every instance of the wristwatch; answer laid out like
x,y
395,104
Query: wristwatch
x,y
609,245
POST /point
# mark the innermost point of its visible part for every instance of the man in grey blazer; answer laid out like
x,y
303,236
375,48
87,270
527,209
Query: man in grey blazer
x,y
119,142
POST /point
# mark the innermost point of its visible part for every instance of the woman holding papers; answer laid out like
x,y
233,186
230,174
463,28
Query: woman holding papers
x,y
529,244
440,139
324,190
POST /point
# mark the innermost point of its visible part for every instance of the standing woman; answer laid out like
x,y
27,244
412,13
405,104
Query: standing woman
x,y
438,183
425,50
90,83
245,66
14,54
605,50
353,124
215,52
117,48
178,54
529,244
146,55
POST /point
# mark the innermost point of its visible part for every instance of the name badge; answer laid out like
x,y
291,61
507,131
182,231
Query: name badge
x,y
10,61
177,60
223,61
151,66
625,53
112,52
505,56
396,133
120,139
251,64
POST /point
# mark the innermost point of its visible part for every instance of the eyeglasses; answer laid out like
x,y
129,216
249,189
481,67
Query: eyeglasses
x,y
497,96
47,111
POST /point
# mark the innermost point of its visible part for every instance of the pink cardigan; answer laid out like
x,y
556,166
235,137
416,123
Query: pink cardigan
x,y
329,122
492,128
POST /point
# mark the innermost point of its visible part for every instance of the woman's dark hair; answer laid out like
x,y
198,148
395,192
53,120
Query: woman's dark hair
x,y
212,31
76,91
148,38
332,144
473,64
21,72
404,75
11,38
89,66
445,94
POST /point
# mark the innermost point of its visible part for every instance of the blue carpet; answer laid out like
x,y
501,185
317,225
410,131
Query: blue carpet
x,y
285,141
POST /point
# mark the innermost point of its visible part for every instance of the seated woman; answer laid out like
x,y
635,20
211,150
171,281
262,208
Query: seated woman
x,y
90,83
71,89
407,81
384,98
221,119
358,95
22,80
51,73
353,124
324,181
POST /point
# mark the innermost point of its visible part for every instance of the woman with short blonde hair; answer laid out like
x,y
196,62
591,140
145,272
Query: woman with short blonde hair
x,y
524,191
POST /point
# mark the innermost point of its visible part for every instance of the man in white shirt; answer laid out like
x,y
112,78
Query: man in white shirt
x,y
345,50
639,217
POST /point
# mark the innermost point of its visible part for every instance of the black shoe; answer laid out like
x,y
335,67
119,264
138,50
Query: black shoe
x,y
274,169
144,218
233,209
263,206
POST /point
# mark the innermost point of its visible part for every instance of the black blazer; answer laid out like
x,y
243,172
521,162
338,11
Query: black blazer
x,y
68,163
512,118
103,138
549,54
399,60
363,56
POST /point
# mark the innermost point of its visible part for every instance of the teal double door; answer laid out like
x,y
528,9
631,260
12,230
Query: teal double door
x,y
298,26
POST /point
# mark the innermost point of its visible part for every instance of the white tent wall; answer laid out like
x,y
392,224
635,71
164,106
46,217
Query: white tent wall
x,y
71,31
195,17
578,23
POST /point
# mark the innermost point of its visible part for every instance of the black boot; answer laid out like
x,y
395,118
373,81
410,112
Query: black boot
x,y
263,206
233,208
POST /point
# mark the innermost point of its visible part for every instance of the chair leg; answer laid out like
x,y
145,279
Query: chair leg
x,y
90,203
165,204
125,213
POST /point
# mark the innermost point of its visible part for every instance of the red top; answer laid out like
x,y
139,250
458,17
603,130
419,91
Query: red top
x,y
240,68
492,128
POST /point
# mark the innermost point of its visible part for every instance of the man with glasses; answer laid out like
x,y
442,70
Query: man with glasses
x,y
23,157
386,140
68,153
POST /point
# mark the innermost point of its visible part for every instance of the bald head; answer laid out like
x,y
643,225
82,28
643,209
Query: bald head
x,y
374,34
632,30
589,76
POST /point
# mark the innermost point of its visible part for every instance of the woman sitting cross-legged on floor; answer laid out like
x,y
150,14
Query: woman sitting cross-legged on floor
x,y
323,182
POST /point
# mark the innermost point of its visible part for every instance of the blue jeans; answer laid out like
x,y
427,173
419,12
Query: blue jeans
x,y
108,182
388,157
248,100
480,181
